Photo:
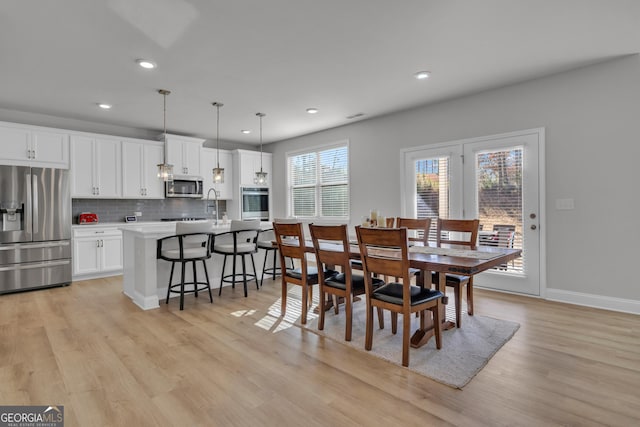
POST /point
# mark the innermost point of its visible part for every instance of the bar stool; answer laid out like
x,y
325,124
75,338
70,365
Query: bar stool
x,y
240,241
193,244
266,241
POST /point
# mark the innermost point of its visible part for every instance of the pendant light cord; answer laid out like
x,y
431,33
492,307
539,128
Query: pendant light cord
x,y
261,115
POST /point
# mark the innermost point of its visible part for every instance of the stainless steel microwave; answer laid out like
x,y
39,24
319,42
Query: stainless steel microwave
x,y
185,186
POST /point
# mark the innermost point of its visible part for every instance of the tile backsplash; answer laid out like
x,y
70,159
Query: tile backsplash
x,y
114,210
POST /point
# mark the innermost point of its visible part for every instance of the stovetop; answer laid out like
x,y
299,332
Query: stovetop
x,y
183,219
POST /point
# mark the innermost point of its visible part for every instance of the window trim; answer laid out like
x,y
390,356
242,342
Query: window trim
x,y
317,149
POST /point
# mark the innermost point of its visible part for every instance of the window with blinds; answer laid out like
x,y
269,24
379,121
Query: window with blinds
x,y
318,183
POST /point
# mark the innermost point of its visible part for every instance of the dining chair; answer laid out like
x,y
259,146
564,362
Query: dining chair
x,y
240,241
291,244
504,238
191,243
332,249
458,233
417,233
385,251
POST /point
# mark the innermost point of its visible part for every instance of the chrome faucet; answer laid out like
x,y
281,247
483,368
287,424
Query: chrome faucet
x,y
215,193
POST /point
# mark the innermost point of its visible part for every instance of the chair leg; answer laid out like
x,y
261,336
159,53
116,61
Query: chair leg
x,y
182,286
195,279
273,271
348,308
368,340
305,295
173,264
206,275
264,266
334,299
380,317
233,270
244,275
458,297
255,273
394,322
224,263
470,297
283,298
406,326
437,325
321,307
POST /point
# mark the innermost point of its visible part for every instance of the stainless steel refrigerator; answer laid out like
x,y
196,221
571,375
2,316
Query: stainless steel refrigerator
x,y
35,228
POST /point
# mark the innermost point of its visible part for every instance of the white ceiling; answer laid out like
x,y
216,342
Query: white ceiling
x,y
280,57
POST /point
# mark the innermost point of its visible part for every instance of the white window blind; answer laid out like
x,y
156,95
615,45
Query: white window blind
x,y
318,183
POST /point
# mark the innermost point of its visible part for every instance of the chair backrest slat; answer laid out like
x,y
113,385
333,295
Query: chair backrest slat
x,y
384,251
420,226
465,232
331,244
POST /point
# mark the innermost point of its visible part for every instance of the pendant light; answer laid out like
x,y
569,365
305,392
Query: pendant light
x,y
261,177
165,170
218,172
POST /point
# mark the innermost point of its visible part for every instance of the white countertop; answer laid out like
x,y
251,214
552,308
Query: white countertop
x,y
156,230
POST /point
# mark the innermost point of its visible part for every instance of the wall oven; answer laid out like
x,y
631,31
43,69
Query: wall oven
x,y
255,203
184,186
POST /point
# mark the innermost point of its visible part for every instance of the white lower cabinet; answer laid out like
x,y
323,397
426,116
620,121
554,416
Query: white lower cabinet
x,y
97,252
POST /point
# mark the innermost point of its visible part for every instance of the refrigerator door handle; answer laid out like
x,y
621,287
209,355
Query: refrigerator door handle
x,y
28,223
32,265
36,219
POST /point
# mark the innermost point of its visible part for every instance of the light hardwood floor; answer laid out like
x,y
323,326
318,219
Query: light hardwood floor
x,y
89,348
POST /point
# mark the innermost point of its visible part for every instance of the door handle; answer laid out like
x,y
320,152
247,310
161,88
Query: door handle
x,y
36,219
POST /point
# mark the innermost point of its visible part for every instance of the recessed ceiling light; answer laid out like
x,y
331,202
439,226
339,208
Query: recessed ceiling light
x,y
245,131
105,106
145,63
421,75
312,110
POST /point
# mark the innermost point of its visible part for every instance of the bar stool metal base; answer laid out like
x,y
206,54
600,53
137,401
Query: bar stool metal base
x,y
243,277
197,286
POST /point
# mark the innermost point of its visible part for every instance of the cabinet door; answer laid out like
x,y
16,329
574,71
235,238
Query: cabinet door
x,y
174,156
132,171
111,253
50,149
226,188
82,159
153,186
14,146
108,168
85,256
248,163
191,157
207,163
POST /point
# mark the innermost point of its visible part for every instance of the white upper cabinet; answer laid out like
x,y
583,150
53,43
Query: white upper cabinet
x,y
208,161
33,146
139,170
184,154
247,163
96,167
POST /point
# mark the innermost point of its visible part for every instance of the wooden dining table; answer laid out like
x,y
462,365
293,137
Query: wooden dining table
x,y
445,259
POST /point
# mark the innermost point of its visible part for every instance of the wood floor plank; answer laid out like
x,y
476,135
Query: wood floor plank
x,y
89,348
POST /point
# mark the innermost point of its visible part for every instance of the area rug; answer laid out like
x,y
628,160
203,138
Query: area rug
x,y
465,351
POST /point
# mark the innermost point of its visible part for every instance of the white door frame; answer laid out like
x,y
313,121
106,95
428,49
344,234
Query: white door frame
x,y
407,183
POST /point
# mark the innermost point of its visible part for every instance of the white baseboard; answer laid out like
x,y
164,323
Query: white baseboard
x,y
596,301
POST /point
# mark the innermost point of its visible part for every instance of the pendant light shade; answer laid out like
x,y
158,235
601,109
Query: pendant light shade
x,y
165,170
261,177
218,172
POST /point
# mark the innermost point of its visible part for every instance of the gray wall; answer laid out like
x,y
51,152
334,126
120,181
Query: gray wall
x,y
590,116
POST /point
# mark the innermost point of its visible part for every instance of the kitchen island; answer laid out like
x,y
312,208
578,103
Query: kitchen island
x,y
145,278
